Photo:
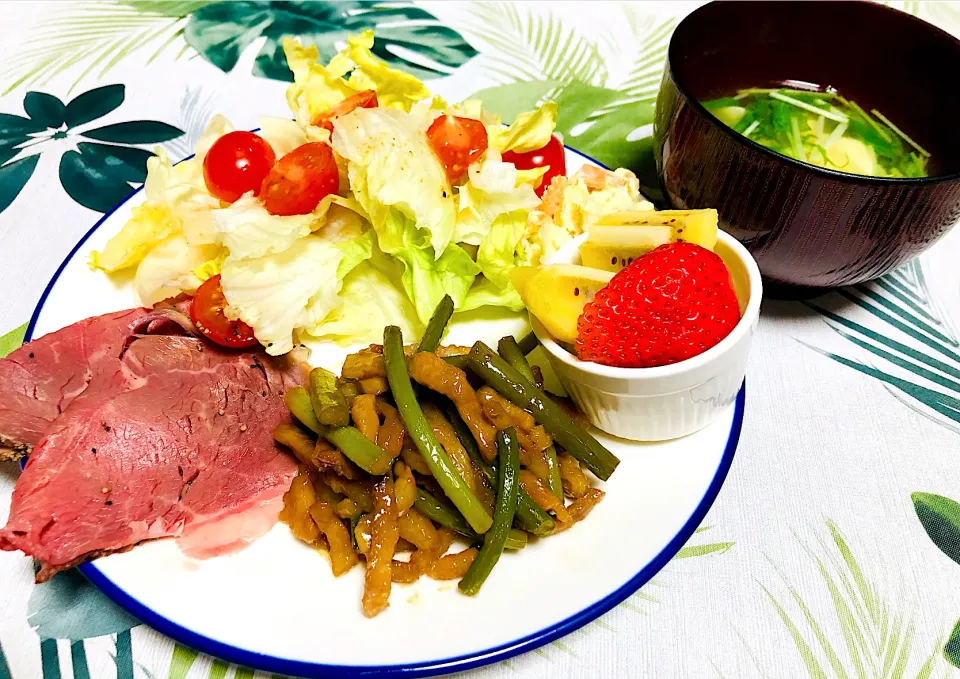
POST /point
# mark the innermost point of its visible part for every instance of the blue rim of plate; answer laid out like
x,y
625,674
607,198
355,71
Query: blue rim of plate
x,y
297,668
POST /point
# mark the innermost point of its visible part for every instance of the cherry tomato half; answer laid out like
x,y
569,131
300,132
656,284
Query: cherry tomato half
x,y
551,155
236,163
365,99
207,314
300,180
457,142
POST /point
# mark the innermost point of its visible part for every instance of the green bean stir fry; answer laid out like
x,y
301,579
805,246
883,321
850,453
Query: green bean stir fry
x,y
415,448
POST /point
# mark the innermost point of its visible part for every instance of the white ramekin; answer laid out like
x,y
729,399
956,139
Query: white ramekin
x,y
656,404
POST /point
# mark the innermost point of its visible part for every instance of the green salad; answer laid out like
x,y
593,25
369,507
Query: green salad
x,y
419,208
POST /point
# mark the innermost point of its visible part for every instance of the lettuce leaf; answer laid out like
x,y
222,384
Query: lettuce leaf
x,y
281,293
426,278
533,176
392,168
317,88
177,201
282,134
168,269
218,126
370,300
473,108
344,219
149,225
484,293
497,255
395,89
355,251
182,188
248,230
493,188
211,267
529,132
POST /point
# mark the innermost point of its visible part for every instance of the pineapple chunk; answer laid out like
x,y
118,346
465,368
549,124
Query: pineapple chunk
x,y
556,294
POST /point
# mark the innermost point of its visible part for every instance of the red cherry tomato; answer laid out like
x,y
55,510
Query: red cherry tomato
x,y
457,142
300,180
207,314
236,163
365,99
551,155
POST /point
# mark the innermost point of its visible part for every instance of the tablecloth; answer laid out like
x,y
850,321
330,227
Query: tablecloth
x,y
833,549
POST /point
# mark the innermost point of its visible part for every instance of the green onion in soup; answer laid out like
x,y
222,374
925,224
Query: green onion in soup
x,y
824,129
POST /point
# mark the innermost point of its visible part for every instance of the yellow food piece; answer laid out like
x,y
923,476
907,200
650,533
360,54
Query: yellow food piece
x,y
149,225
852,155
692,226
342,556
557,293
731,115
618,239
296,509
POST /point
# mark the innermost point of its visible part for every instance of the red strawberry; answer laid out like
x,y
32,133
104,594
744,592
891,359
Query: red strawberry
x,y
667,306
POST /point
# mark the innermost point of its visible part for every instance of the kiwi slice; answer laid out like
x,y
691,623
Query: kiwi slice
x,y
618,239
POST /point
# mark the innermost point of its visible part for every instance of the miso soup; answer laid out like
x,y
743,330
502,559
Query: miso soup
x,y
823,128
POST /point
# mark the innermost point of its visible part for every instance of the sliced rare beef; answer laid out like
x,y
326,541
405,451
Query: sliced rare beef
x,y
171,437
40,379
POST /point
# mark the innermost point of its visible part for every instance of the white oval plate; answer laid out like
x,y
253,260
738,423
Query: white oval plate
x,y
276,606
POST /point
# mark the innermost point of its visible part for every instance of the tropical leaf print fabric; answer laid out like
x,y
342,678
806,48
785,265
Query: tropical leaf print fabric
x,y
833,550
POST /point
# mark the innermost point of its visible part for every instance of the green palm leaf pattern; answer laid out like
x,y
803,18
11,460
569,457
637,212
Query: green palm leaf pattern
x,y
12,340
78,658
537,57
196,109
183,660
874,642
535,47
91,38
96,175
693,548
4,668
408,37
952,649
49,659
704,549
940,518
909,345
651,36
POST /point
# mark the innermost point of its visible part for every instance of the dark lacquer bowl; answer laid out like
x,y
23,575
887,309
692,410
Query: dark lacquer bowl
x,y
808,226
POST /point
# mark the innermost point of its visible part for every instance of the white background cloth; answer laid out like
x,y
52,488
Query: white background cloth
x,y
821,442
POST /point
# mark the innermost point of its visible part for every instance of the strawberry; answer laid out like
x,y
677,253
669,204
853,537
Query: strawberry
x,y
669,305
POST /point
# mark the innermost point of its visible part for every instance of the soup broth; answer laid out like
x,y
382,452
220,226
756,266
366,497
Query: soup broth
x,y
822,128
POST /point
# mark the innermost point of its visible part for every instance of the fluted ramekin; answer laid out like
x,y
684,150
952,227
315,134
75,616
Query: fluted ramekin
x,y
666,402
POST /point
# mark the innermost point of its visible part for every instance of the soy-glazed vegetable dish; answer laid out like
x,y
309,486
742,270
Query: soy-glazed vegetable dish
x,y
375,219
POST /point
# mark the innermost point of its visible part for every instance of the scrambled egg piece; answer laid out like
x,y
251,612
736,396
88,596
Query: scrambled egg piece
x,y
573,205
